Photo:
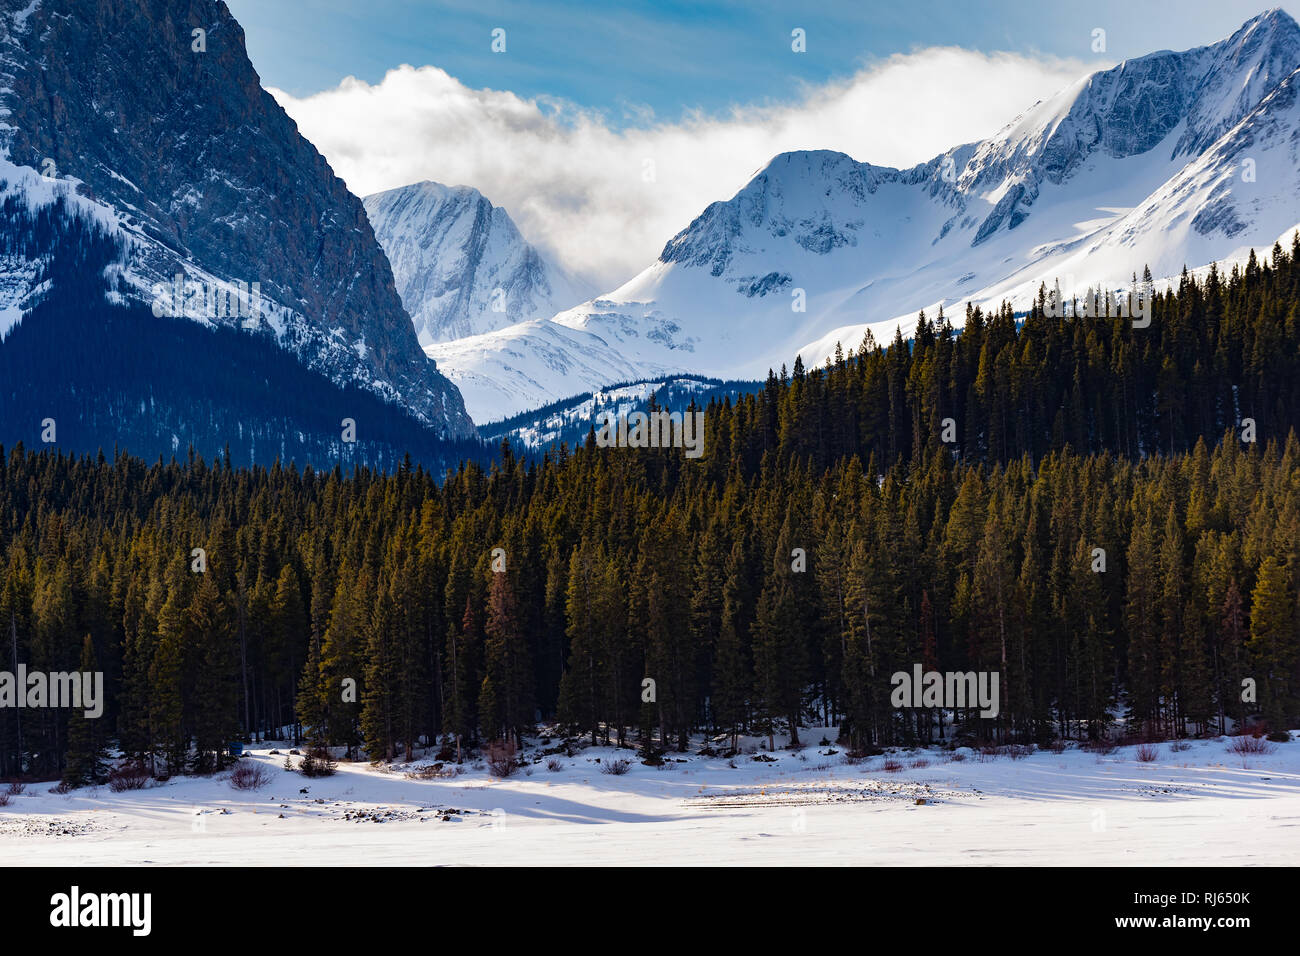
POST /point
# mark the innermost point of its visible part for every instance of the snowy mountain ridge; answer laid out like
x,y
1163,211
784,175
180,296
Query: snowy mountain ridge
x,y
1144,164
460,264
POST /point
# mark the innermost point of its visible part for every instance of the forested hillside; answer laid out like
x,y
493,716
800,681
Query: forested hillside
x,y
1114,526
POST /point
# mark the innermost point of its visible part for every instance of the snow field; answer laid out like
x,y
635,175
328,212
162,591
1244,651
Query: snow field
x,y
1202,805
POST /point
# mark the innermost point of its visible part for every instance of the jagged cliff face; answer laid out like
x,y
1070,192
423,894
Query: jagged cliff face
x,y
207,176
461,265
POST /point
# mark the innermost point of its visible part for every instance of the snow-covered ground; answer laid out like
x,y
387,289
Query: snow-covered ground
x,y
1196,806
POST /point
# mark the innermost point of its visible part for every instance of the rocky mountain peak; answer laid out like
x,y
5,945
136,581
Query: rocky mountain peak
x,y
461,265
152,109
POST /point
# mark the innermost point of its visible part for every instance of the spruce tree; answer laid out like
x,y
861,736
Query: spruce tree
x,y
87,758
1271,645
216,722
505,703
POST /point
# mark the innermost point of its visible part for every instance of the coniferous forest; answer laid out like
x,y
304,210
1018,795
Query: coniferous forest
x,y
1109,517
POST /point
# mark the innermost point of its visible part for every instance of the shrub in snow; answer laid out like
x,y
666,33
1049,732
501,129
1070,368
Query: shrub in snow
x,y
435,771
501,758
317,762
554,765
1147,753
445,753
249,776
1245,746
129,776
616,768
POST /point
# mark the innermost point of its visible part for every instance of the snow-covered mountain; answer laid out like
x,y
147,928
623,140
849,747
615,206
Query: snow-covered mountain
x,y
1167,160
460,264
147,117
525,366
570,420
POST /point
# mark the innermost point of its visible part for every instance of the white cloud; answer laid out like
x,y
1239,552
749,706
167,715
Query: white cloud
x,y
577,187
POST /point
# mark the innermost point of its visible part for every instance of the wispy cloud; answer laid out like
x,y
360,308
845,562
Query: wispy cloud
x,y
603,200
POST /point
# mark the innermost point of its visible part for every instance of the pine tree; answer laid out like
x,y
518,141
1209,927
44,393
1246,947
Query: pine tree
x,y
1198,683
1234,630
585,679
863,660
214,697
289,632
662,584
168,673
1142,622
505,703
458,713
731,669
379,706
993,608
781,644
340,690
1171,603
1271,643
87,758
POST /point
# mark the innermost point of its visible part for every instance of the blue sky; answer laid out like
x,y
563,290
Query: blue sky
x,y
604,129
624,56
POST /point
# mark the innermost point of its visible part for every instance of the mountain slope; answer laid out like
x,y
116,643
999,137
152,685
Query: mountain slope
x,y
500,373
460,264
180,152
571,420
1142,164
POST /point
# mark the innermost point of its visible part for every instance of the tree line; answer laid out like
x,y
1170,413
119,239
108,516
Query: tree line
x,y
1104,529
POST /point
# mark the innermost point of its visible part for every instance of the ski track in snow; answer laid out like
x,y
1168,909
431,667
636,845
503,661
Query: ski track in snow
x,y
1198,806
